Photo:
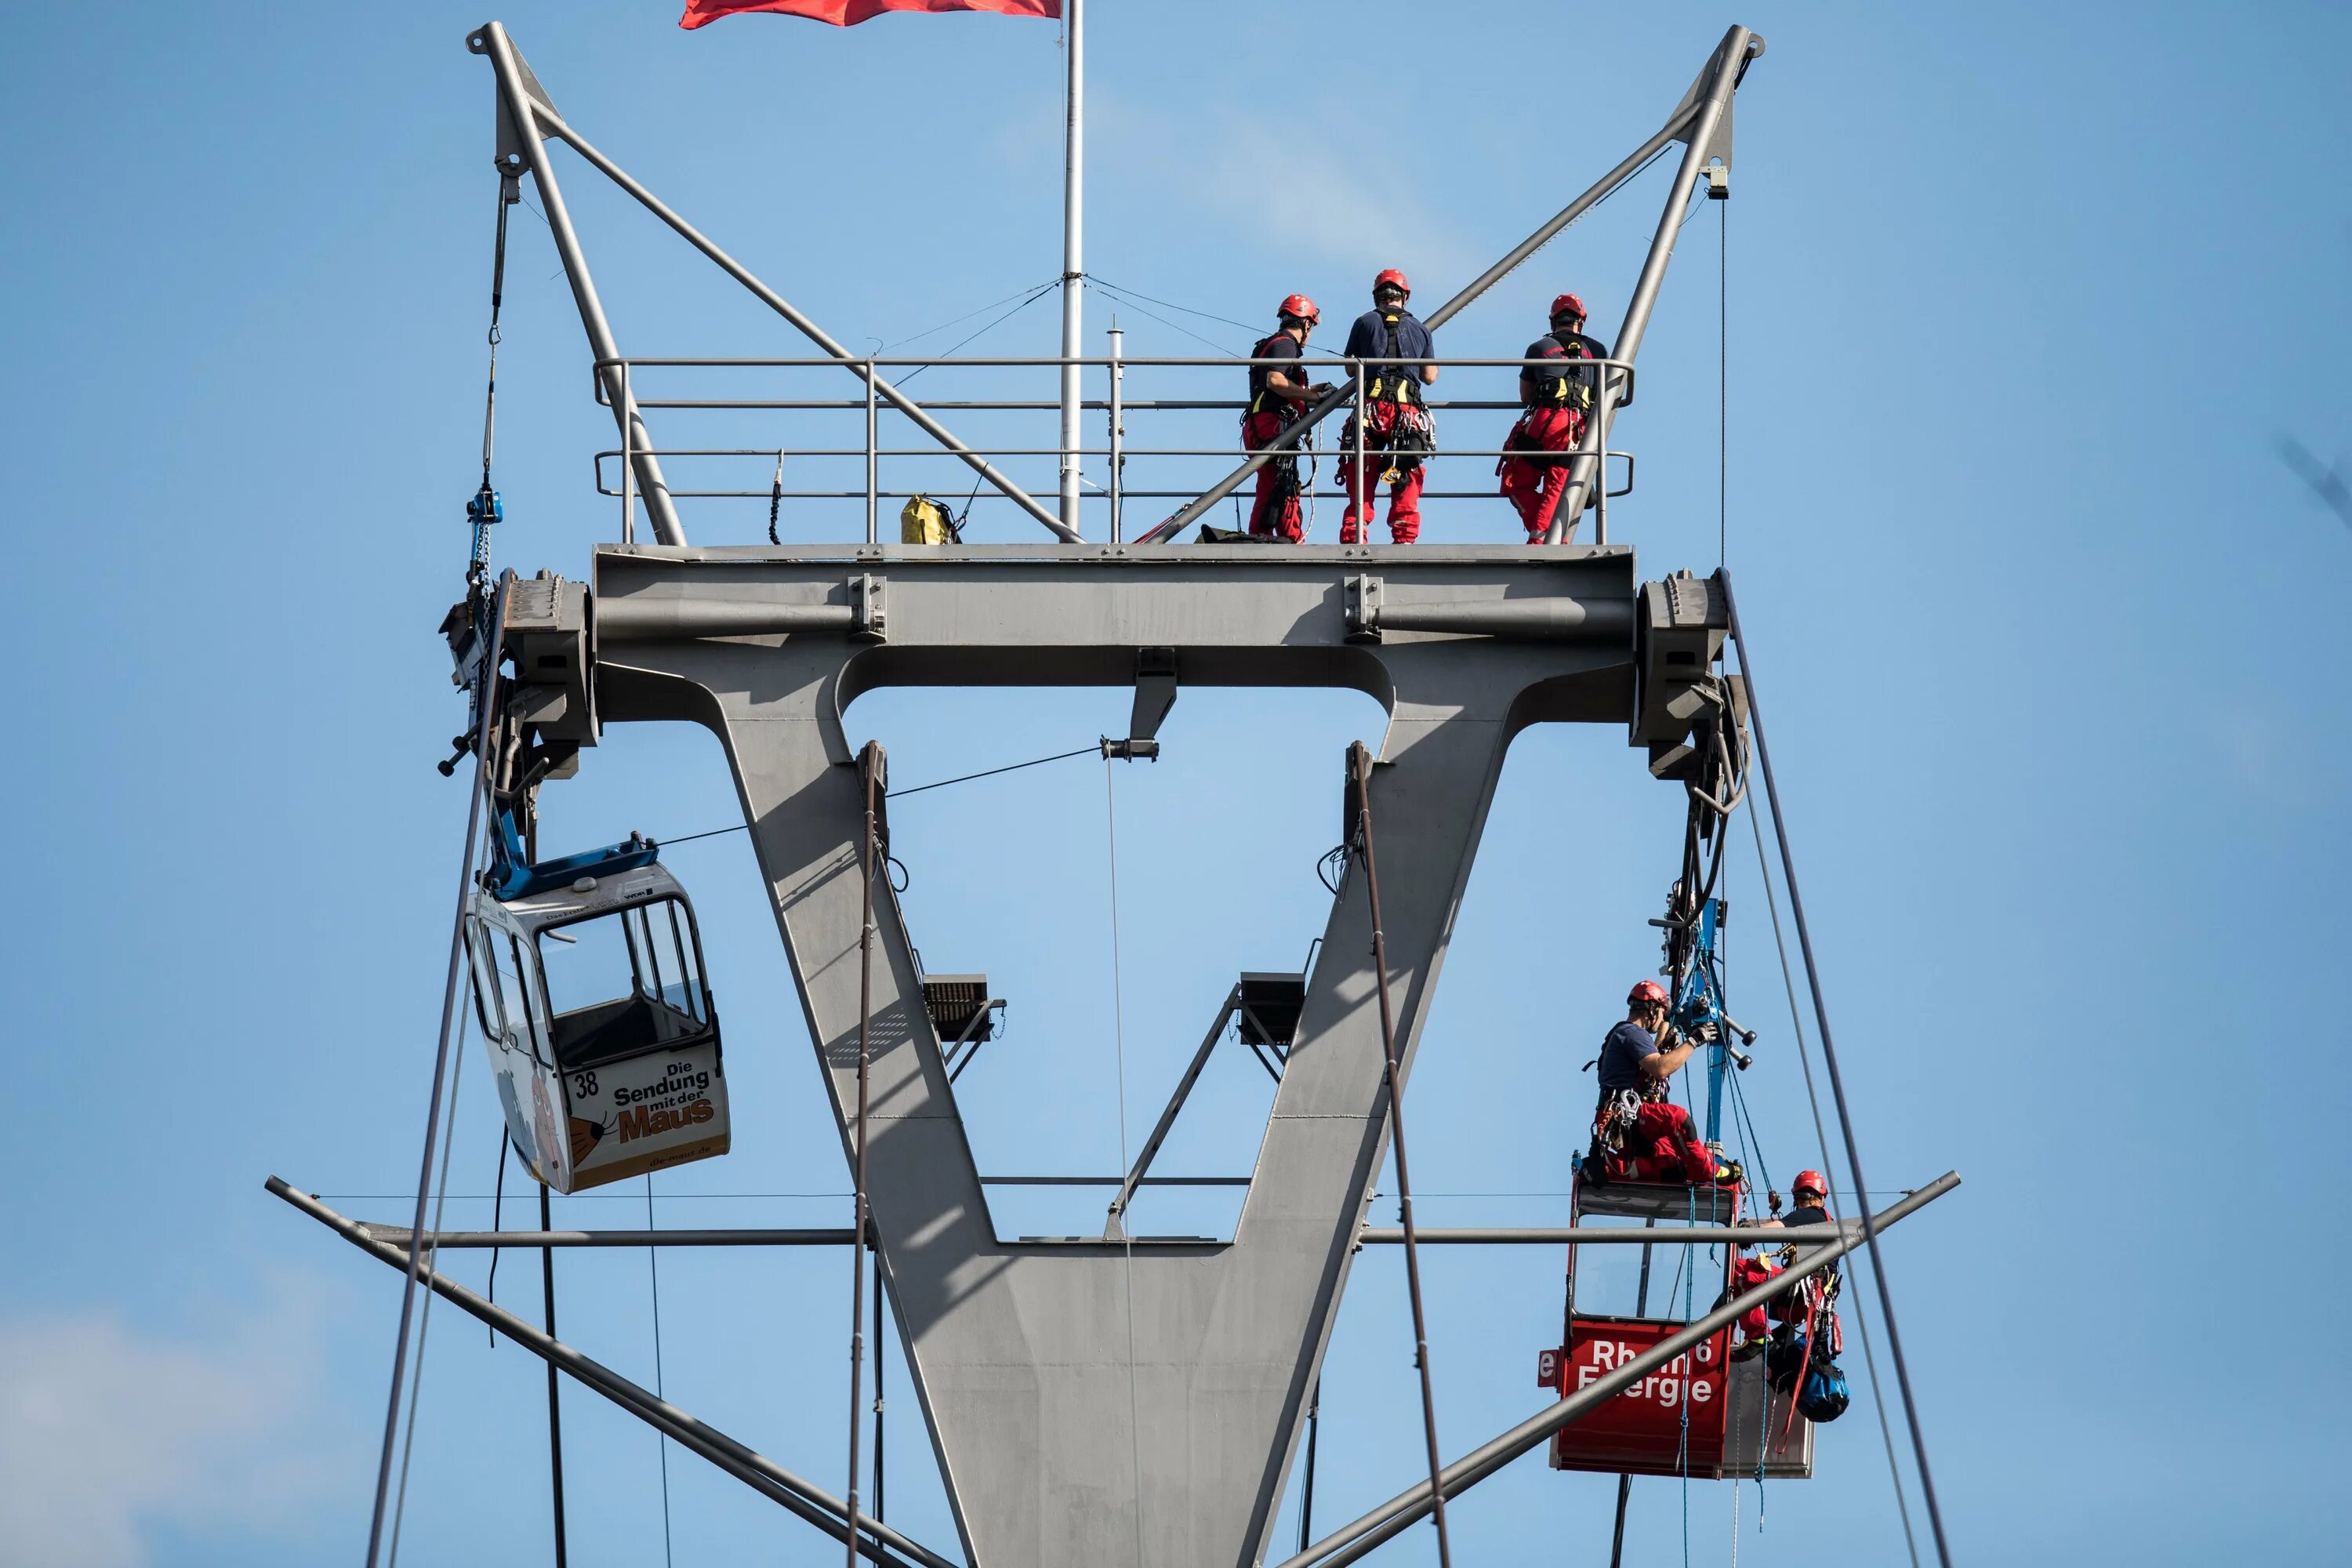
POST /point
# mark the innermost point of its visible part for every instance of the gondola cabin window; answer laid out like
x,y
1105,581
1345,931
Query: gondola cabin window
x,y
622,983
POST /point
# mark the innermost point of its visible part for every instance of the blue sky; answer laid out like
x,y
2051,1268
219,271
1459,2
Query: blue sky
x,y
2020,301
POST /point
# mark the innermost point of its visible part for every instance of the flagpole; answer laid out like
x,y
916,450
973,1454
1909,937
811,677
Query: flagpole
x,y
1073,262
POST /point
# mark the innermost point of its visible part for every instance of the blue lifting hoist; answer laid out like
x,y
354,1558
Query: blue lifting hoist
x,y
1698,1012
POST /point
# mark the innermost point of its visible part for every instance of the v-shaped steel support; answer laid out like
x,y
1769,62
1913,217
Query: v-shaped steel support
x,y
1023,1352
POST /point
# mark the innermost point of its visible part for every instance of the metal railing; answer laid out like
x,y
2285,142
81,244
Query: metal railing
x,y
948,464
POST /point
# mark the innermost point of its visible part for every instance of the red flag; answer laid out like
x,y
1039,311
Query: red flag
x,y
850,13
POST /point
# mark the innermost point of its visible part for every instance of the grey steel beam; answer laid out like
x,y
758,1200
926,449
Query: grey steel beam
x,y
756,1470
1351,1541
650,620
454,1240
1021,1352
1117,1226
1676,125
1710,121
1371,1236
1587,1236
521,101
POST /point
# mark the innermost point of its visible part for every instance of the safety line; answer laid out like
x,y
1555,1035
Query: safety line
x,y
889,795
1821,1133
991,773
1118,1038
488,689
1837,1087
1723,385
425,1318
498,1222
1205,342
911,375
968,315
1108,287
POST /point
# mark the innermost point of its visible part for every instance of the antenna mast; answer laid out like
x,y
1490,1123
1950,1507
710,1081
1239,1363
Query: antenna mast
x,y
1073,153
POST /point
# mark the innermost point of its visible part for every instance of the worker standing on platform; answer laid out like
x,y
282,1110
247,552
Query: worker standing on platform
x,y
1559,395
1277,398
1394,421
1652,1136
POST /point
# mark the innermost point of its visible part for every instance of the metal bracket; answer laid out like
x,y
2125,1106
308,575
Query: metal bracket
x,y
866,602
1155,694
1364,609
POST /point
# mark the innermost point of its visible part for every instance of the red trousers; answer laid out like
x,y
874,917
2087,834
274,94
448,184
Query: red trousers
x,y
1274,509
1531,484
1404,495
1663,1146
1747,1273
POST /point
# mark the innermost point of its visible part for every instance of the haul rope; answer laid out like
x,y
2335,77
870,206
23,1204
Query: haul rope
x,y
1360,761
1821,1132
868,766
425,1318
653,1268
487,680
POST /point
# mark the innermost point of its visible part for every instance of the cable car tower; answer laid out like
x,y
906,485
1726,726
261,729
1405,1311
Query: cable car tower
x,y
1126,1397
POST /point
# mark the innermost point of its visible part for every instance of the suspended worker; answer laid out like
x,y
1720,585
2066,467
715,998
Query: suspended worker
x,y
1558,395
1811,1194
1278,396
1394,421
1637,1133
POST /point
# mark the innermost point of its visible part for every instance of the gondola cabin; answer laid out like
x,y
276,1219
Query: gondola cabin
x,y
600,1025
1708,1414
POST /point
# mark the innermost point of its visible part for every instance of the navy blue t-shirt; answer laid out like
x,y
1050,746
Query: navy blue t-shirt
x,y
1622,1051
1806,1213
1369,339
1281,345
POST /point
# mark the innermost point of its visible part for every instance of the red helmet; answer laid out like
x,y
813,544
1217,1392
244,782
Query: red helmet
x,y
1647,991
1810,1181
1301,308
1568,305
1390,275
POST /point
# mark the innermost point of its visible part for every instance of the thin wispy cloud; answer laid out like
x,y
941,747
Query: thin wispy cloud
x,y
109,1435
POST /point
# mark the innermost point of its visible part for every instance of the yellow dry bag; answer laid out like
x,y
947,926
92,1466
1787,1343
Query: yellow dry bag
x,y
925,522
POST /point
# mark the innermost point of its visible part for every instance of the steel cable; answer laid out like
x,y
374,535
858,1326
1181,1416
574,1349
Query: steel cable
x,y
425,1318
1821,1133
1837,1087
488,681
1127,1239
1361,765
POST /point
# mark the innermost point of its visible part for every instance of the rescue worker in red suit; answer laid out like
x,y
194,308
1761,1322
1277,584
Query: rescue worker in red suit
x,y
1394,421
1652,1137
1810,1192
1747,1273
1278,396
1559,397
